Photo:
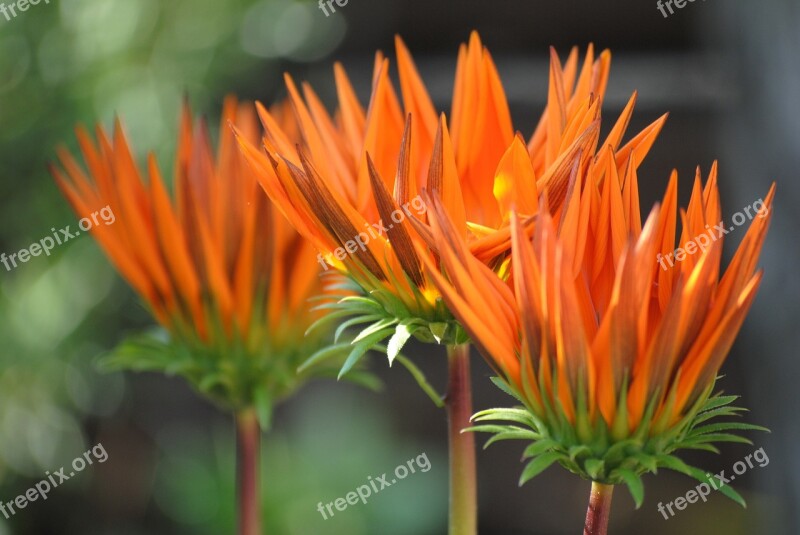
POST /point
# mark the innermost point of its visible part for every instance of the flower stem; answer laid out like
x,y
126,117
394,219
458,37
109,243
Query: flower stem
x,y
463,515
248,440
599,509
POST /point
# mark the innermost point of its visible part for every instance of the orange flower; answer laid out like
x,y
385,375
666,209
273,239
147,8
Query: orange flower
x,y
612,356
219,268
360,171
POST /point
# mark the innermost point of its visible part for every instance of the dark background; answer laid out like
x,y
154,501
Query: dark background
x,y
726,70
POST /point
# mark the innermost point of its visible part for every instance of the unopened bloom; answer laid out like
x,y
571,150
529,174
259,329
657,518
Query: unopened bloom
x,y
613,358
219,268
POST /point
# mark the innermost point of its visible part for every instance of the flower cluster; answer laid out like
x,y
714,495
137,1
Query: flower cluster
x,y
533,250
219,268
356,167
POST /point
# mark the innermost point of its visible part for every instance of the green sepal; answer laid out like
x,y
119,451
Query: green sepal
x,y
326,319
402,334
359,349
538,465
539,447
615,455
716,437
438,330
381,326
513,433
594,468
353,321
263,406
673,463
144,352
325,353
634,483
725,426
505,387
508,415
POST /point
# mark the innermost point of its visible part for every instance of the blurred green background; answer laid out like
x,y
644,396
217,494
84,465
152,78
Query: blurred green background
x,y
728,73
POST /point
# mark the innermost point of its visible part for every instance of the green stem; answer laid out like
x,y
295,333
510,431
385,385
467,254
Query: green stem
x,y
248,441
599,509
463,515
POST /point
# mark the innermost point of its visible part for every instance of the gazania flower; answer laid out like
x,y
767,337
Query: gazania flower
x,y
613,357
353,186
220,269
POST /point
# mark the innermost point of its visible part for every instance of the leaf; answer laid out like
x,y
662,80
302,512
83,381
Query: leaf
x,y
209,381
538,465
594,468
700,446
374,328
634,484
353,301
717,401
717,437
490,428
327,318
539,447
725,426
401,335
618,450
516,434
574,451
715,413
438,330
360,349
354,321
323,354
649,462
177,365
520,416
673,463
263,406
502,385
142,353
421,380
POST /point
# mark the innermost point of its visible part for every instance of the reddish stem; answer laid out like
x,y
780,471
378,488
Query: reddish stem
x,y
463,515
248,440
599,509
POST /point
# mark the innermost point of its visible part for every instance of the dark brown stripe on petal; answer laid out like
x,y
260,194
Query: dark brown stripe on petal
x,y
401,193
398,235
332,214
436,168
558,182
